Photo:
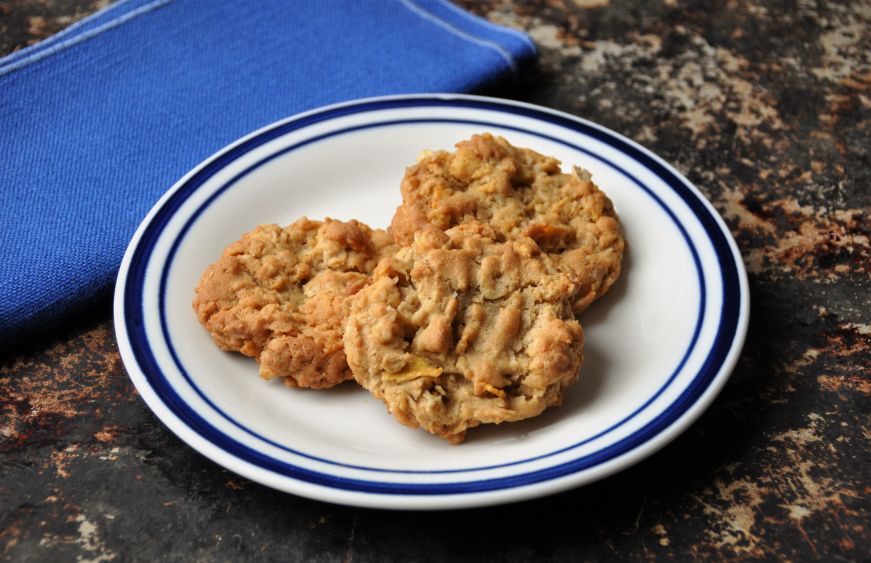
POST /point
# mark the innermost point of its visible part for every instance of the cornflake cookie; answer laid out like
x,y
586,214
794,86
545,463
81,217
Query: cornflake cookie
x,y
281,295
458,330
521,193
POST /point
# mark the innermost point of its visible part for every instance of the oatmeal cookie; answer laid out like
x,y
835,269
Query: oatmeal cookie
x,y
281,295
522,194
457,330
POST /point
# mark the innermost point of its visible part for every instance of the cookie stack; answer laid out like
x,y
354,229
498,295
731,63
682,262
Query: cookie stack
x,y
463,313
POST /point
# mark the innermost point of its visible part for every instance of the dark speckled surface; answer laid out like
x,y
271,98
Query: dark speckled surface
x,y
766,106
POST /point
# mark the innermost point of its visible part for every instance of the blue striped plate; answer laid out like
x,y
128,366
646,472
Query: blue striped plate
x,y
659,346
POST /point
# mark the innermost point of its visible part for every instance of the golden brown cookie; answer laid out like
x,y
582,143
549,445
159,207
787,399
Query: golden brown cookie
x,y
522,194
458,330
281,295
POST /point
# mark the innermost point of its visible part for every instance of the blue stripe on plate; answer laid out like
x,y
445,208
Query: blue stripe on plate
x,y
220,191
139,343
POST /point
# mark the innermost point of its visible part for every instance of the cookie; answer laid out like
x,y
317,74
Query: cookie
x,y
521,193
458,330
281,295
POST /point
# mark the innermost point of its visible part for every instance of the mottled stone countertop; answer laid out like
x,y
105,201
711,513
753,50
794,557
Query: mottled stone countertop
x,y
766,106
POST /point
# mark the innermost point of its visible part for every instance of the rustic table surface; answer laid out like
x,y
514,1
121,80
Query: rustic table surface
x,y
766,106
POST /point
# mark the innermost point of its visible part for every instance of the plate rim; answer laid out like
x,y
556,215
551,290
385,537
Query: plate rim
x,y
421,498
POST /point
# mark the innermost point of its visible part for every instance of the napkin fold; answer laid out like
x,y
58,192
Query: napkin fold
x,y
99,120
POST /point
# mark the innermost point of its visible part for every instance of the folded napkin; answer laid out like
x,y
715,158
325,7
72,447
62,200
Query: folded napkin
x,y
99,120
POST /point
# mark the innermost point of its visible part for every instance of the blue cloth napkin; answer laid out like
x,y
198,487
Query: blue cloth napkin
x,y
99,120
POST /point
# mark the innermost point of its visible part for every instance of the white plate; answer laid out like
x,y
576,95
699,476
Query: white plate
x,y
659,346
